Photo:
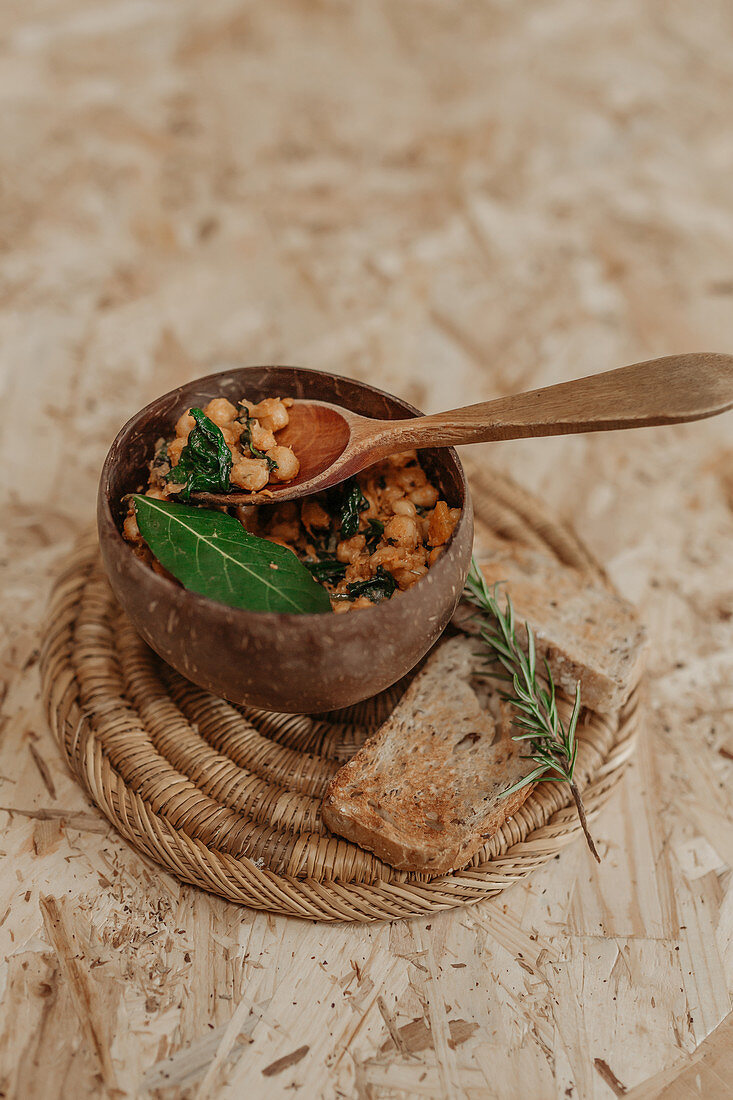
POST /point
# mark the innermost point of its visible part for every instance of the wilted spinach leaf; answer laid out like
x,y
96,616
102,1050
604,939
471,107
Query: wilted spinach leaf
x,y
205,462
376,530
352,503
379,587
246,439
330,570
209,552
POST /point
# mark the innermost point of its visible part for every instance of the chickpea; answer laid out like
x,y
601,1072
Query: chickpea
x,y
231,433
262,438
425,496
370,485
271,413
404,507
407,577
349,550
357,571
372,512
314,515
403,531
287,464
441,524
406,566
403,459
220,410
174,449
411,478
250,474
185,424
398,560
388,556
130,528
390,496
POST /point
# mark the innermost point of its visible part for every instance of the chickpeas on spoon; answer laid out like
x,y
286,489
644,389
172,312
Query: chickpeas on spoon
x,y
332,443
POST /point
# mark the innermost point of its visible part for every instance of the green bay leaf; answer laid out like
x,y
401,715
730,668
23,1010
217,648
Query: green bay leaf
x,y
210,552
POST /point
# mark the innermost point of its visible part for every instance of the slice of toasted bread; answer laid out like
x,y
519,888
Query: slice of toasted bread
x,y
426,792
586,631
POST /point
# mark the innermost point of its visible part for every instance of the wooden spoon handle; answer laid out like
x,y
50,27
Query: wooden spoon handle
x,y
661,391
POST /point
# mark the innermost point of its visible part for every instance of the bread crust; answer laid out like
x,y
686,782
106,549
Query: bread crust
x,y
426,792
587,632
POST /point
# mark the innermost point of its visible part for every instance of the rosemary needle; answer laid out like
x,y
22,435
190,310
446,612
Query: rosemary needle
x,y
552,745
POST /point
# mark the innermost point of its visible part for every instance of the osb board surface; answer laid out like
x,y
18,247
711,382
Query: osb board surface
x,y
453,201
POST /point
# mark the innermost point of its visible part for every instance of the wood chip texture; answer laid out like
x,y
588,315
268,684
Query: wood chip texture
x,y
452,201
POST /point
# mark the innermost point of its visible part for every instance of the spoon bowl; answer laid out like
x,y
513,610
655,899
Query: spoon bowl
x,y
318,431
325,437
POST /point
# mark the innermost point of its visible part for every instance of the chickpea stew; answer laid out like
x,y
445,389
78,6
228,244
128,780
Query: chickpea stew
x,y
364,540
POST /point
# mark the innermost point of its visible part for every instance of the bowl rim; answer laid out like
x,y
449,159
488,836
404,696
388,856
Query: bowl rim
x,y
284,618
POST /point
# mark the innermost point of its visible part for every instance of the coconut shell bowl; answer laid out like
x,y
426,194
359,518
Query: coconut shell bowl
x,y
282,662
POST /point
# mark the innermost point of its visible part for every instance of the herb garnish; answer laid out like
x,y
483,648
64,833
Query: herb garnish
x,y
376,530
246,438
210,552
352,503
205,462
330,570
379,587
552,745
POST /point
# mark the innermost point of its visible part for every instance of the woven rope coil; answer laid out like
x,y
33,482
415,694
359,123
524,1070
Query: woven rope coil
x,y
228,798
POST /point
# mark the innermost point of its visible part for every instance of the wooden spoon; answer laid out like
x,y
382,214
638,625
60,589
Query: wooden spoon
x,y
332,443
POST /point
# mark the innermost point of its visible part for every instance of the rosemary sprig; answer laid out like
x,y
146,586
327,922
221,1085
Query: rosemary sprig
x,y
552,745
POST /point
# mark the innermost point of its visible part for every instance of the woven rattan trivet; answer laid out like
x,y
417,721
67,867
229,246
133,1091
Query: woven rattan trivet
x,y
228,798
